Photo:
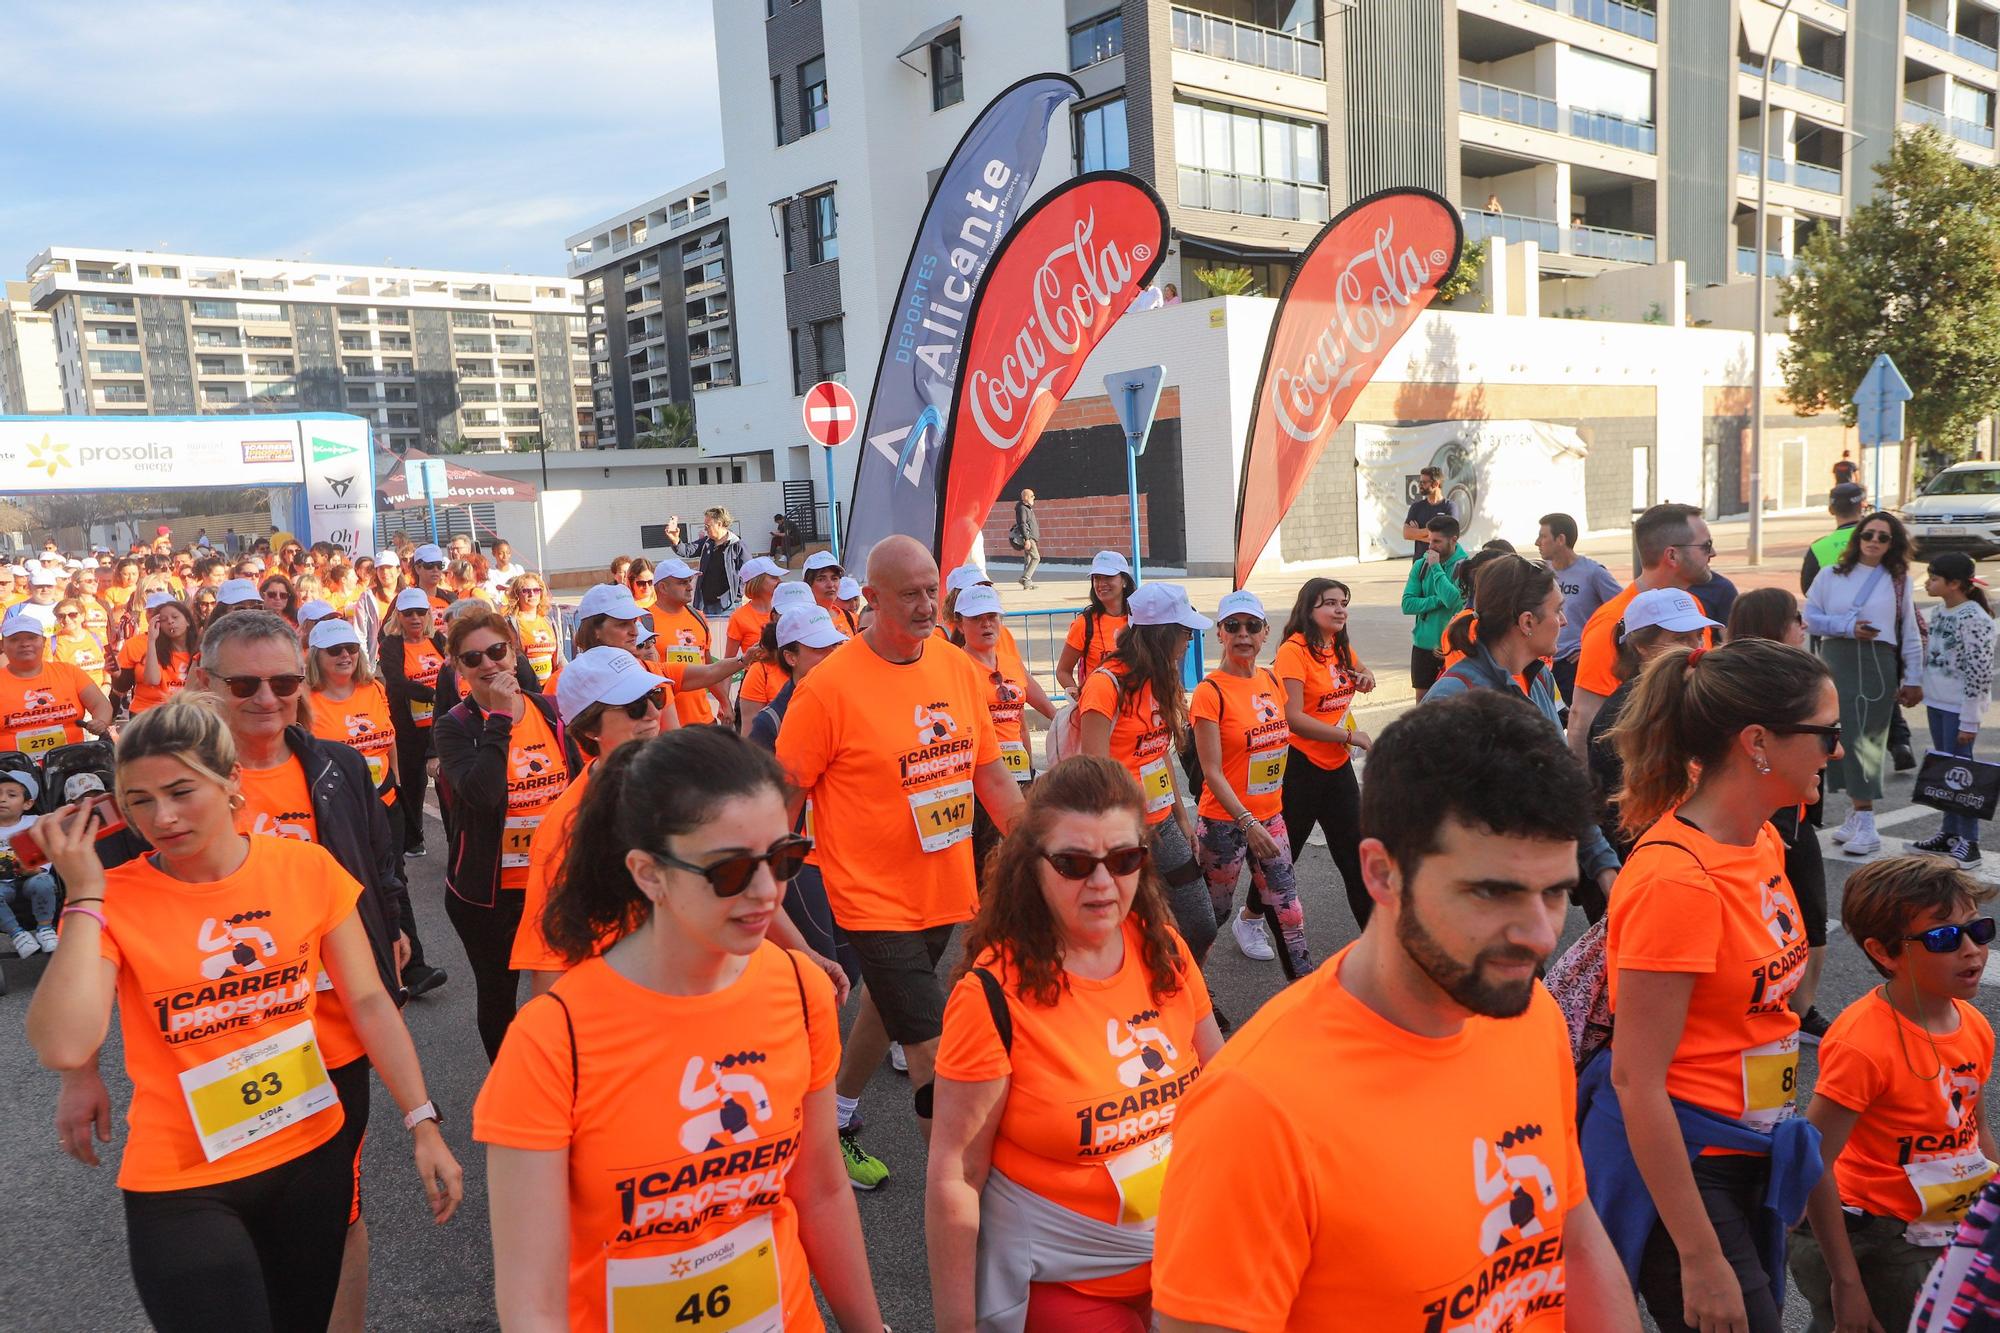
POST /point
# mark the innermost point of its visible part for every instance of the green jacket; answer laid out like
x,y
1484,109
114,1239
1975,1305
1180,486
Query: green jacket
x,y
1823,553
1431,595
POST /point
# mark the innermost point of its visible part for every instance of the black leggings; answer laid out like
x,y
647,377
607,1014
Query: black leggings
x,y
413,751
255,1255
1732,1192
488,936
1330,797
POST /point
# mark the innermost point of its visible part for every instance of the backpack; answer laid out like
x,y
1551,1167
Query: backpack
x,y
1580,981
1065,736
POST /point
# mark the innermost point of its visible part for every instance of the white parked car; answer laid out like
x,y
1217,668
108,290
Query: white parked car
x,y
1959,510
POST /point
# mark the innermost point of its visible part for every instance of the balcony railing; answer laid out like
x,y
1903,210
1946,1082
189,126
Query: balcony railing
x,y
1632,20
1252,196
1809,176
1978,52
1630,247
1602,127
1514,229
1819,82
1775,265
1919,114
1248,44
1926,31
1540,113
1972,131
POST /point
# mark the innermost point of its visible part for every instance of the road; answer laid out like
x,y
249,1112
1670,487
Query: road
x,y
67,1269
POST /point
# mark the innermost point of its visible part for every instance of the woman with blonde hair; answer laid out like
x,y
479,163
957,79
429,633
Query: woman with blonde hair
x,y
528,612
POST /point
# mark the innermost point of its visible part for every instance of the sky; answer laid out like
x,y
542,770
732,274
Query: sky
x,y
428,135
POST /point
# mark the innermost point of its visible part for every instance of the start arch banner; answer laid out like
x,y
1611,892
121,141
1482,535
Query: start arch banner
x,y
327,459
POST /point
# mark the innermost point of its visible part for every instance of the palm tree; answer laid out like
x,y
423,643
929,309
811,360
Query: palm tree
x,y
672,428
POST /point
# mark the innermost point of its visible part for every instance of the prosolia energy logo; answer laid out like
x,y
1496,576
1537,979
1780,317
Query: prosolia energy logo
x,y
48,457
51,456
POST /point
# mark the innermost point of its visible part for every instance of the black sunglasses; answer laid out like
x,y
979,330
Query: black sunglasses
x,y
731,875
1243,626
653,700
1944,939
642,583
342,650
245,687
1877,536
1829,737
430,564
492,652
1080,865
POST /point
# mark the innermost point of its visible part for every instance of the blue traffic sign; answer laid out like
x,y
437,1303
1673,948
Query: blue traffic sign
x,y
1878,403
1135,395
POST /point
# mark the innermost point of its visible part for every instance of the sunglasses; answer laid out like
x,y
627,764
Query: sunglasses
x,y
731,875
492,652
1079,865
430,564
342,650
1945,939
652,701
642,583
1233,625
1829,737
1706,548
1881,537
282,687
69,615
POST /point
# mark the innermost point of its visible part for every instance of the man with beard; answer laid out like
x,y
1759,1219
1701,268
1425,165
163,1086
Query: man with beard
x,y
1319,1178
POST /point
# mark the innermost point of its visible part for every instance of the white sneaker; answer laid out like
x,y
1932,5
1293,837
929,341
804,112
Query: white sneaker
x,y
1252,938
897,1060
46,935
1846,829
24,945
1864,840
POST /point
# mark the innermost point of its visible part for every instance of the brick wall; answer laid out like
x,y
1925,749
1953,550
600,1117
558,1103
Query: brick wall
x,y
1074,528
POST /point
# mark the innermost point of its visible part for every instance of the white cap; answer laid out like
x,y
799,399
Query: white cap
x,y
431,553
602,675
1240,603
849,589
1165,604
789,597
672,567
821,560
19,621
1671,609
1110,562
413,599
237,592
759,566
811,626
43,577
609,599
332,632
25,778
255,562
316,610
158,599
965,576
81,785
646,632
981,599
388,558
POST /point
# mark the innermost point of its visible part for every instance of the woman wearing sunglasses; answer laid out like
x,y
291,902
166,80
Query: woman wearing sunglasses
x,y
1321,675
83,586
159,655
75,644
1704,947
350,705
1011,689
1866,618
1240,734
1035,1221
641,579
410,654
280,595
692,1042
528,612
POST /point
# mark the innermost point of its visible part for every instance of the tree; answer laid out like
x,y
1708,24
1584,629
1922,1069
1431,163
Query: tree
x,y
1227,280
672,428
1914,273
1464,278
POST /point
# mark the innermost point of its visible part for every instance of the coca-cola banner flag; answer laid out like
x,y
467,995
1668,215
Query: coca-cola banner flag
x,y
1357,289
1072,265
978,196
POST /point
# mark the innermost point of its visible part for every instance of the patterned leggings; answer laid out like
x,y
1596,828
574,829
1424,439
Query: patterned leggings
x,y
1224,848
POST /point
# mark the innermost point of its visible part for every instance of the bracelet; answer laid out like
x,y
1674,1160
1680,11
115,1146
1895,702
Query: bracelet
x,y
98,917
86,900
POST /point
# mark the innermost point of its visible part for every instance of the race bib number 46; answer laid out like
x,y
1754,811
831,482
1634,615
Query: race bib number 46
x,y
256,1090
729,1285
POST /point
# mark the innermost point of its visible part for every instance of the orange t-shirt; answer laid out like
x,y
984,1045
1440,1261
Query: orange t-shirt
x,y
538,644
85,652
421,664
1140,739
41,712
536,776
1914,1153
843,618
762,681
173,675
1599,653
1726,914
1343,1228
362,721
96,617
546,850
1103,638
682,639
746,625
1249,712
210,975
682,1117
1327,691
886,751
1093,1085
1006,696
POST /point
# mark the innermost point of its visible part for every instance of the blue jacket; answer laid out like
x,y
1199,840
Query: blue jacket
x,y
1619,1192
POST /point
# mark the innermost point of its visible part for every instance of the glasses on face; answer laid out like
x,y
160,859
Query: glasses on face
x,y
492,652
1706,548
282,687
1829,736
430,564
652,701
342,650
1119,861
1877,537
531,592
1244,625
69,615
642,583
1945,939
731,875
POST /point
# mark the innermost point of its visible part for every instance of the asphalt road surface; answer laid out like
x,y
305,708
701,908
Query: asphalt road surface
x,y
66,1267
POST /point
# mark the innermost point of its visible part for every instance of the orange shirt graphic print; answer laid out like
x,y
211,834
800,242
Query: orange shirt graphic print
x,y
728,1101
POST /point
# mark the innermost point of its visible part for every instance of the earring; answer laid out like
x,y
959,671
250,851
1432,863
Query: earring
x,y
236,801
1762,766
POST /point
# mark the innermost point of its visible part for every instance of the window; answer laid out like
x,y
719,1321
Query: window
x,y
814,114
822,229
1096,39
799,381
947,72
1100,137
778,107
1236,161
830,349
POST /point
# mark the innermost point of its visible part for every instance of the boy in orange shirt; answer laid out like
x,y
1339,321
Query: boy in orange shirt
x,y
1898,1102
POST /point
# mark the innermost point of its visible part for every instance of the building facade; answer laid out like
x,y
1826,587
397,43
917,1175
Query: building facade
x,y
29,382
430,357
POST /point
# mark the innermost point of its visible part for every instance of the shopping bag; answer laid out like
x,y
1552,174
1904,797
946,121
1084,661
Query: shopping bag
x,y
1958,785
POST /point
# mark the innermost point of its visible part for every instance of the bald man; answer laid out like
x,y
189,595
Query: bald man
x,y
891,739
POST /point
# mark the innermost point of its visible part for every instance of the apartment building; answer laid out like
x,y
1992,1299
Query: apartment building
x,y
28,379
430,357
658,307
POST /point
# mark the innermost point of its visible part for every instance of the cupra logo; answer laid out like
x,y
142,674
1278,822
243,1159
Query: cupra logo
x,y
49,457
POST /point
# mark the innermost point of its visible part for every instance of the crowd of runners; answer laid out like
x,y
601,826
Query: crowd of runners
x,y
732,823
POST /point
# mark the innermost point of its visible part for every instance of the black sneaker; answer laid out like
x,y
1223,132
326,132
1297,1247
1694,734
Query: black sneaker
x,y
422,980
1964,851
1937,842
1905,757
410,853
1812,1026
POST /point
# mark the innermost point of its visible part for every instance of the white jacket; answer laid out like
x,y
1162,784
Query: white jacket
x,y
1958,663
1839,601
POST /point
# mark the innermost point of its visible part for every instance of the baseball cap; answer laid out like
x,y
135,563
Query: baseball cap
x,y
1110,562
1846,493
19,621
388,558
1672,609
410,599
608,599
429,552
965,576
81,785
1242,602
43,577
158,599
810,626
602,675
25,779
646,632
672,568
759,566
790,597
237,592
821,560
849,589
333,632
1165,604
316,610
981,599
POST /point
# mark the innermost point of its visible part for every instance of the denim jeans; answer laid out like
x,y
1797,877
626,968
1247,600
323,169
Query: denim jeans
x,y
40,889
1944,737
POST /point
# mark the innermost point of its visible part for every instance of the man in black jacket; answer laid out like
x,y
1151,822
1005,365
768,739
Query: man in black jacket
x,y
1028,529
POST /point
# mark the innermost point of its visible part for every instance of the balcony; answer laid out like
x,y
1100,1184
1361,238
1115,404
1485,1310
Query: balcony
x,y
1775,265
1625,247
1631,20
1252,196
104,305
1602,127
1805,175
1541,113
1248,44
1926,31
1979,53
1805,78
1629,247
1514,229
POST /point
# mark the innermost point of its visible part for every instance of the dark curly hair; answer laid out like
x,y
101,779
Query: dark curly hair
x,y
1896,560
1014,921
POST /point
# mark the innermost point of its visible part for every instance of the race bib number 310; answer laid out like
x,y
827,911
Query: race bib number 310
x,y
256,1090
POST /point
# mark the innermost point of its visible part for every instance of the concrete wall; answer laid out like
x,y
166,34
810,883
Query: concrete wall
x,y
1649,294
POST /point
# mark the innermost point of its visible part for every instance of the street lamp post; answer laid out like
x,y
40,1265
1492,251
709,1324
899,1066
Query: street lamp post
x,y
1756,552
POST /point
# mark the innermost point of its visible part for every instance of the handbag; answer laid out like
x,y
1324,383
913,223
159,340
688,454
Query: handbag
x,y
1958,784
1015,539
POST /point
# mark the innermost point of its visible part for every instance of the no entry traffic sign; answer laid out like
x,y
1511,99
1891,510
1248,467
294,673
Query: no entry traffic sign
x,y
831,418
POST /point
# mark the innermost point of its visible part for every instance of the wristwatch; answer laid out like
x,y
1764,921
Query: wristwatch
x,y
428,1111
